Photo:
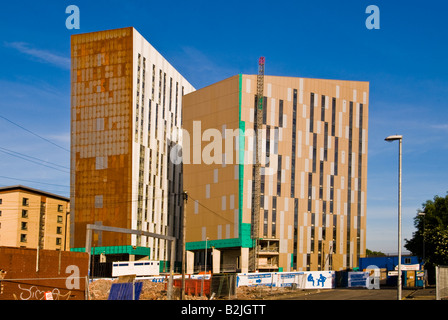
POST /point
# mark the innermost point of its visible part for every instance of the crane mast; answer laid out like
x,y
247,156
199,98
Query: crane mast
x,y
257,167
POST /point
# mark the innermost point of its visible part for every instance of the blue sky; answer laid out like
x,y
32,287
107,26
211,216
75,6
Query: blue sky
x,y
405,61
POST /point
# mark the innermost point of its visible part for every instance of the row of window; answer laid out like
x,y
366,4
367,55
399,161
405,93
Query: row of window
x,y
26,203
60,219
24,239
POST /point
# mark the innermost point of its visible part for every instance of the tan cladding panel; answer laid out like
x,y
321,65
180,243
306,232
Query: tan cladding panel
x,y
102,64
211,182
333,165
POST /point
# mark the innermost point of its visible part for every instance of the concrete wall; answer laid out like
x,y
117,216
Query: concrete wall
x,y
27,278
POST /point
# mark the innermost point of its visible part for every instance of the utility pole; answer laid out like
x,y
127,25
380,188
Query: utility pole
x,y
257,167
184,253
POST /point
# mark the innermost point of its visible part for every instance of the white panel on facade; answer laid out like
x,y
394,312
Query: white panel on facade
x,y
337,92
227,231
219,231
289,94
223,203
196,206
100,124
207,191
232,201
215,176
204,233
269,90
98,201
248,85
249,194
235,223
357,115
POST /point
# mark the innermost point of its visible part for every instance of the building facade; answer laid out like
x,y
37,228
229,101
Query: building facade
x,y
126,107
31,218
313,182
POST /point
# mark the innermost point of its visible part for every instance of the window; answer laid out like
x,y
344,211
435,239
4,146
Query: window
x,y
1,201
58,241
23,237
24,225
60,208
59,230
25,202
24,213
59,219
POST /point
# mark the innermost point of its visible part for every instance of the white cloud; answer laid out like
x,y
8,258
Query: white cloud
x,y
41,55
443,127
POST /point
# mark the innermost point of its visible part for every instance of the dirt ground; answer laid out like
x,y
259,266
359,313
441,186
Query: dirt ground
x,y
99,290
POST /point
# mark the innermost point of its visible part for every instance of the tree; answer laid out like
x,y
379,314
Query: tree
x,y
430,241
371,253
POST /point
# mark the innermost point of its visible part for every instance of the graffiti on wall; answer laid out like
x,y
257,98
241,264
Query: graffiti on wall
x,y
34,293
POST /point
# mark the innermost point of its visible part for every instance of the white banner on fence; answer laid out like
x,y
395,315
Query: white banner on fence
x,y
358,279
302,279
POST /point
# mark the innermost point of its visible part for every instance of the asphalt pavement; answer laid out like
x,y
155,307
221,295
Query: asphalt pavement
x,y
384,293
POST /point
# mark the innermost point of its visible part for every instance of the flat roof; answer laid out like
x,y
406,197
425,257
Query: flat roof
x,y
32,190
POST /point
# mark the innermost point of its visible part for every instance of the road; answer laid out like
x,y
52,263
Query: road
x,y
362,294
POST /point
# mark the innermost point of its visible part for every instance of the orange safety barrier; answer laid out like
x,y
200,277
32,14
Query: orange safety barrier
x,y
193,286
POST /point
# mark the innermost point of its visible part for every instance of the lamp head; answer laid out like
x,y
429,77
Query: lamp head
x,y
393,138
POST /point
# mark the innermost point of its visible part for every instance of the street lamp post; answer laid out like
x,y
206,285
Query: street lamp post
x,y
205,269
423,214
390,139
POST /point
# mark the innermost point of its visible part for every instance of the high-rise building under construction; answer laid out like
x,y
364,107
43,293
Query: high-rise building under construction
x,y
126,107
313,175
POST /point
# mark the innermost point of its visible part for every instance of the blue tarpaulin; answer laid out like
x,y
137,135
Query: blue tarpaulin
x,y
123,291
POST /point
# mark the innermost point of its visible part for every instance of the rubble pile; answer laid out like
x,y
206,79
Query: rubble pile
x,y
99,290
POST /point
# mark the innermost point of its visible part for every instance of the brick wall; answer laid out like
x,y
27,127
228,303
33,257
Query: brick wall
x,y
62,273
